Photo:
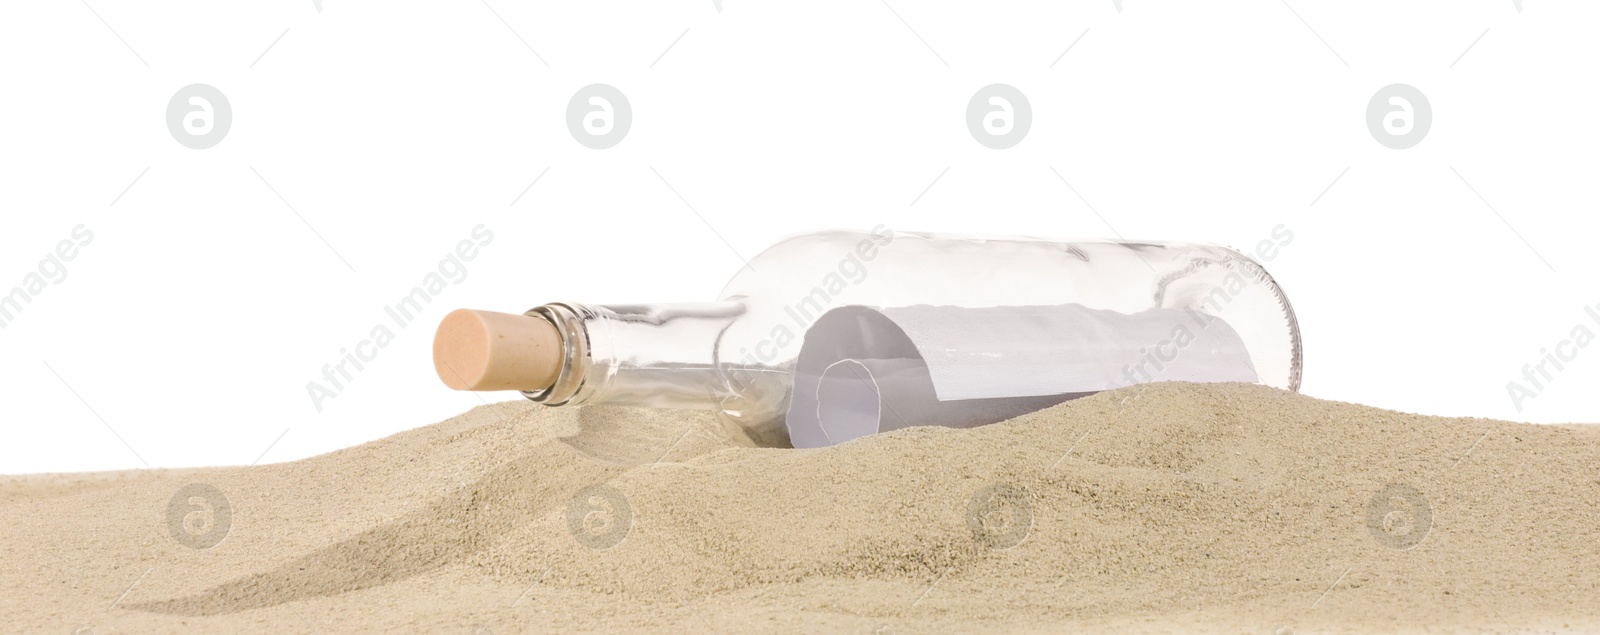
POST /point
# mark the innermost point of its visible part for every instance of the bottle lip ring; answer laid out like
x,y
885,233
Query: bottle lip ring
x,y
575,360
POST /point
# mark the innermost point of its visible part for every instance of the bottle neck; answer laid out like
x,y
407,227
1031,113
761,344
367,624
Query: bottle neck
x,y
641,355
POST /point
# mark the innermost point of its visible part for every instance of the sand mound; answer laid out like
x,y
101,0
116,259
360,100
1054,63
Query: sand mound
x,y
1175,507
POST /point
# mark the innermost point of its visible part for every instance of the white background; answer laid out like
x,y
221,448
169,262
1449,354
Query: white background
x,y
186,331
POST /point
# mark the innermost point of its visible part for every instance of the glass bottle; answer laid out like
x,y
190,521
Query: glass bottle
x,y
830,335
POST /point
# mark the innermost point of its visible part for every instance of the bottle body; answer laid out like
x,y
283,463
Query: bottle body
x,y
739,355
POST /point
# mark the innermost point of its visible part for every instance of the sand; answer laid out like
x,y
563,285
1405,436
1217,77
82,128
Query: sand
x,y
1171,508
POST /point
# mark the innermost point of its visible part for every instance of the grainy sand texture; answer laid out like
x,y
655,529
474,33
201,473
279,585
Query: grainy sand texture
x,y
1170,508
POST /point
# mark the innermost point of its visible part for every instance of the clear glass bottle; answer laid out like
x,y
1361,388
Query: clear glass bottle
x,y
998,326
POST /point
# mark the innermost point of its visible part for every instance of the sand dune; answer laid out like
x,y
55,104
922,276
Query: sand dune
x,y
1169,508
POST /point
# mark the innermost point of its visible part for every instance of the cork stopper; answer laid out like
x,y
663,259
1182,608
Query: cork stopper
x,y
485,350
